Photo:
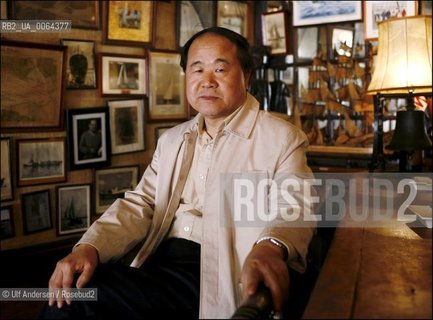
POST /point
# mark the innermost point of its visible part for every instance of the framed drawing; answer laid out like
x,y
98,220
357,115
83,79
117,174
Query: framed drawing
x,y
126,126
73,208
32,86
376,11
6,170
83,14
112,183
166,87
88,138
319,12
274,26
128,23
36,208
80,66
236,16
341,41
307,40
41,161
122,75
7,229
193,16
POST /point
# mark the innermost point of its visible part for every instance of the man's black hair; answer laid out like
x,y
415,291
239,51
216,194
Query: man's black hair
x,y
244,55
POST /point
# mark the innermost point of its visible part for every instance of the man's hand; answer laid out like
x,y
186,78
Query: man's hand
x,y
265,264
83,260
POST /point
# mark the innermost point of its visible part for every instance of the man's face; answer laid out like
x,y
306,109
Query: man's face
x,y
216,85
92,126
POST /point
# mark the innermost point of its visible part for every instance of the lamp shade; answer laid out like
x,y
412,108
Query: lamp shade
x,y
404,61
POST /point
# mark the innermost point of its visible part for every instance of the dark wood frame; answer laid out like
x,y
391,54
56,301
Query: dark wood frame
x,y
7,155
331,32
38,164
46,211
281,16
11,223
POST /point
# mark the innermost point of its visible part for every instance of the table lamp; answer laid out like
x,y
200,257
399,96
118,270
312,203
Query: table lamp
x,y
403,69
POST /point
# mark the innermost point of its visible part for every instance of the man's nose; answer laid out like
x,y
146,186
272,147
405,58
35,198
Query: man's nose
x,y
208,80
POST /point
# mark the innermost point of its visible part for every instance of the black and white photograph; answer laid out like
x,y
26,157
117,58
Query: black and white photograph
x,y
6,223
6,173
274,26
233,15
341,42
73,208
36,211
41,161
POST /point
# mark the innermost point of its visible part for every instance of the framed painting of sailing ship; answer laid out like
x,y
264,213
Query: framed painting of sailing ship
x,y
122,75
112,183
6,170
166,87
126,125
376,11
128,23
32,86
319,12
41,161
274,26
73,208
36,209
236,16
80,66
88,138
6,223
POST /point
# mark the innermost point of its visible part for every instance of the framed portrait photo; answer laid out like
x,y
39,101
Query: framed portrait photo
x,y
6,170
319,12
32,86
73,208
128,23
112,183
88,138
6,223
80,64
41,161
166,87
377,11
122,75
36,210
274,27
126,125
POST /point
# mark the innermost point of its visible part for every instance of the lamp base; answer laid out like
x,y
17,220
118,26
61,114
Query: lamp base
x,y
410,161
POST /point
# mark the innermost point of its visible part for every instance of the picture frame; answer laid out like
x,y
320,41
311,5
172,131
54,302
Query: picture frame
x,y
36,210
40,161
127,125
236,16
3,10
81,64
274,31
128,23
122,75
7,192
112,183
376,11
38,71
341,41
88,138
83,14
425,7
166,87
319,12
7,227
307,39
192,17
73,208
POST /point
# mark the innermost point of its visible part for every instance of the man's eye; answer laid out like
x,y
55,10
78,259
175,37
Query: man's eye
x,y
219,70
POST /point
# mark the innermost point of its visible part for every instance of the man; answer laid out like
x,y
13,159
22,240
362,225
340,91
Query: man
x,y
190,262
90,141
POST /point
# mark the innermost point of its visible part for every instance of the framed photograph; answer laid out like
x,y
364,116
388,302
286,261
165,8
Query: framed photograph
x,y
41,161
166,87
274,26
6,223
425,7
32,86
341,41
126,126
112,183
80,64
193,16
236,16
122,75
128,23
36,210
83,14
6,170
73,208
307,40
88,138
319,12
376,11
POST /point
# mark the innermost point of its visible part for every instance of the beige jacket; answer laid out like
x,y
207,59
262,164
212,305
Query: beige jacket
x,y
253,141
